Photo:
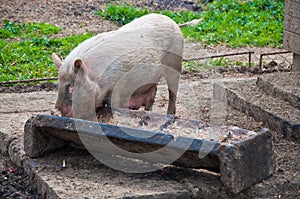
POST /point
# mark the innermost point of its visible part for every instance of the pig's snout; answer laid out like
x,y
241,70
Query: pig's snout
x,y
66,110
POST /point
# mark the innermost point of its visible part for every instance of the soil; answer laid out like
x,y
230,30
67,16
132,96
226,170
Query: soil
x,y
76,17
14,182
25,88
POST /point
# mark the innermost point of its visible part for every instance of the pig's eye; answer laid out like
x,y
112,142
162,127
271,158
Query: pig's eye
x,y
71,89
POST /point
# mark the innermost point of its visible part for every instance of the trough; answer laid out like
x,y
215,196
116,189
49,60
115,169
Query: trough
x,y
241,157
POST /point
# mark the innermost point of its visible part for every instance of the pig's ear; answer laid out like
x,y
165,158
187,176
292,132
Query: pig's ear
x,y
57,61
79,64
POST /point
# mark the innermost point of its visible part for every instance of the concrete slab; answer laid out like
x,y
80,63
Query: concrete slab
x,y
276,113
85,177
16,108
35,102
285,86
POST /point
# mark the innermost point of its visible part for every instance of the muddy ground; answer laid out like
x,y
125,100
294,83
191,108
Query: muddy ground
x,y
77,17
284,182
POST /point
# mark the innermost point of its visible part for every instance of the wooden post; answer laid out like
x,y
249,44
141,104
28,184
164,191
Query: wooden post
x,y
291,40
296,63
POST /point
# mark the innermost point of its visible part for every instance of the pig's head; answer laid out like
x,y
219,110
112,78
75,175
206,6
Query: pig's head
x,y
76,92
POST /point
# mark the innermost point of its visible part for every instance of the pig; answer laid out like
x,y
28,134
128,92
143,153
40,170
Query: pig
x,y
121,68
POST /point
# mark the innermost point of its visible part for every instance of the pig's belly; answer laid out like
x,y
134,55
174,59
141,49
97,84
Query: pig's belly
x,y
146,99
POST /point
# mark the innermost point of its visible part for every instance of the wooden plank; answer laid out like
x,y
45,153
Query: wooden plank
x,y
292,8
292,24
291,41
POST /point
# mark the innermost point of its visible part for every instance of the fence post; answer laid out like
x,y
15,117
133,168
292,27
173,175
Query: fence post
x,y
249,60
296,63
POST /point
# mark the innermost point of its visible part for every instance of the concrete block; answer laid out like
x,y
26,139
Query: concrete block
x,y
247,162
231,158
37,143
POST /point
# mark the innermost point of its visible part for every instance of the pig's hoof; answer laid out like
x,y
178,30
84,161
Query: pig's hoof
x,y
144,121
170,120
54,112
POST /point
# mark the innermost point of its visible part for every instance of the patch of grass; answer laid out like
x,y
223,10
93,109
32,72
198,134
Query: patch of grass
x,y
31,57
12,30
241,23
212,63
122,14
227,22
193,66
205,65
125,13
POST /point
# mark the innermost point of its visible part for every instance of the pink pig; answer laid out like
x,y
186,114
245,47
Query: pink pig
x,y
121,68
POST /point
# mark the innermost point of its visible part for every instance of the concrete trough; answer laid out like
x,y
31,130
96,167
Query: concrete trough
x,y
242,157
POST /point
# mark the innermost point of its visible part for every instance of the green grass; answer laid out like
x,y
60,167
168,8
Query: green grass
x,y
13,30
227,22
239,23
125,13
213,63
31,57
26,48
122,14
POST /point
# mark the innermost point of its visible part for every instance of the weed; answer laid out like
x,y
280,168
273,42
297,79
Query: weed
x,y
192,66
240,23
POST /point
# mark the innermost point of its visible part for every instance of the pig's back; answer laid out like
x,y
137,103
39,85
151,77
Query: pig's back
x,y
154,30
150,31
154,23
146,39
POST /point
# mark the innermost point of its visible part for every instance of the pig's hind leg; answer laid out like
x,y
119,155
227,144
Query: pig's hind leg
x,y
150,98
173,65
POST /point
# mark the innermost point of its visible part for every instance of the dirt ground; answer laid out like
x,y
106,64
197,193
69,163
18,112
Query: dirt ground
x,y
77,17
284,183
14,182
